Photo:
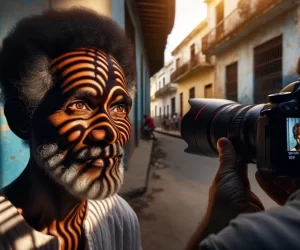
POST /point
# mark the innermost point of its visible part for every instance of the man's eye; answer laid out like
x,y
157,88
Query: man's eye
x,y
79,105
120,109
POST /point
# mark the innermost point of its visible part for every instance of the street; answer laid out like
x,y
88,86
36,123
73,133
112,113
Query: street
x,y
177,196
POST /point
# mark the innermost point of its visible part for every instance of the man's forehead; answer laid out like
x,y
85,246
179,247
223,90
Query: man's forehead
x,y
92,54
89,63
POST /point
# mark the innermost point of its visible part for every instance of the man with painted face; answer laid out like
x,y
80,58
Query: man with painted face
x,y
296,133
67,79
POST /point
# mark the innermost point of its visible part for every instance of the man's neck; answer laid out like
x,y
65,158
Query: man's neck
x,y
47,206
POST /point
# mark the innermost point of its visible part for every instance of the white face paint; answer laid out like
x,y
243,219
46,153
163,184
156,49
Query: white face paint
x,y
78,183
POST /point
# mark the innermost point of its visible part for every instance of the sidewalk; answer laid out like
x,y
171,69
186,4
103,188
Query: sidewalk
x,y
135,179
170,133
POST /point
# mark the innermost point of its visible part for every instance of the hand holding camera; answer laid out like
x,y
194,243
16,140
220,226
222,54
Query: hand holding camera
x,y
265,134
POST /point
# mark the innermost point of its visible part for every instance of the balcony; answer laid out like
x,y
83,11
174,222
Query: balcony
x,y
178,72
240,23
195,64
168,89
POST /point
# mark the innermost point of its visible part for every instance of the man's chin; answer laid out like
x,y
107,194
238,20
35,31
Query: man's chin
x,y
86,188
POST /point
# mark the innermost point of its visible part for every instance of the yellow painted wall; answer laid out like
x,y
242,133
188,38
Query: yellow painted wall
x,y
103,7
198,80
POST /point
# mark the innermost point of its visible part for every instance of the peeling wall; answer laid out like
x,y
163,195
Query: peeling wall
x,y
243,53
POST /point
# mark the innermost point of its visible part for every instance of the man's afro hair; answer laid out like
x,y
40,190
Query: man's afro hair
x,y
28,49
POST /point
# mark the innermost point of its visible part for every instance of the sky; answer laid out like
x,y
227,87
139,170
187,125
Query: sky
x,y
188,14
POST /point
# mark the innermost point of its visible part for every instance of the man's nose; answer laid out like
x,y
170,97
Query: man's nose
x,y
105,134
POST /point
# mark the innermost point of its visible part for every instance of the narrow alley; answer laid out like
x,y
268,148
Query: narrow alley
x,y
177,195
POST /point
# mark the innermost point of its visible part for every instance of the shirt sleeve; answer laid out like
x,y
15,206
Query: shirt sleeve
x,y
132,239
277,228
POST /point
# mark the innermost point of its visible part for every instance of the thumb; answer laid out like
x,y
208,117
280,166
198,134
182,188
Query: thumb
x,y
227,155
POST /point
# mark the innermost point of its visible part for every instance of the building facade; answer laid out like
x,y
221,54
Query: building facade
x,y
193,71
147,25
163,94
256,45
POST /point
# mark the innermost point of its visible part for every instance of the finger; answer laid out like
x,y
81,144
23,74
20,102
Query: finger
x,y
289,184
254,200
227,155
284,183
242,170
276,193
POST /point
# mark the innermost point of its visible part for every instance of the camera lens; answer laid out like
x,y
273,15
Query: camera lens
x,y
210,119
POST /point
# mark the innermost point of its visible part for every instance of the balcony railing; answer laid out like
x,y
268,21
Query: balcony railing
x,y
234,22
166,90
180,71
197,61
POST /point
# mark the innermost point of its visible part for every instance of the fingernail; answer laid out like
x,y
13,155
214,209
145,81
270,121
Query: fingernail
x,y
222,142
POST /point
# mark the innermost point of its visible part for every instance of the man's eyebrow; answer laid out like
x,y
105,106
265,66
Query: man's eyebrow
x,y
123,99
80,94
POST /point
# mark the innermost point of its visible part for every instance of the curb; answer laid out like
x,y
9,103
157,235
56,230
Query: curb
x,y
169,134
137,192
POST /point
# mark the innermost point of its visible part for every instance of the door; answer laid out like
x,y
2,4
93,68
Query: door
x,y
208,91
181,104
173,106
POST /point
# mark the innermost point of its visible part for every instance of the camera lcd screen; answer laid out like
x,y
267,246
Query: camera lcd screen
x,y
293,135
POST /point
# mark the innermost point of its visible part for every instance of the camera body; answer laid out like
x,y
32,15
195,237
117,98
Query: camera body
x,y
276,150
264,134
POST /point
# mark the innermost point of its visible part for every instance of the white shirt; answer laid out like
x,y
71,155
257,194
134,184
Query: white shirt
x,y
110,224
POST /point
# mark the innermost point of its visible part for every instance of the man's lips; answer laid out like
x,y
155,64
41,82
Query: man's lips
x,y
101,162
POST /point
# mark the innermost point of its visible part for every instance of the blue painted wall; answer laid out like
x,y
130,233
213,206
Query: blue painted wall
x,y
141,104
13,154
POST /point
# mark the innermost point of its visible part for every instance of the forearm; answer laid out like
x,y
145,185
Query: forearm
x,y
212,223
201,233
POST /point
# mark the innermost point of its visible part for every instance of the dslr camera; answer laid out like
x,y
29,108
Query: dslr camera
x,y
265,134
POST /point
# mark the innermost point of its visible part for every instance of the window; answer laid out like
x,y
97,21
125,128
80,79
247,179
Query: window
x,y
177,63
231,82
192,93
192,51
163,81
267,69
159,85
181,104
164,110
173,106
159,111
208,91
155,110
207,59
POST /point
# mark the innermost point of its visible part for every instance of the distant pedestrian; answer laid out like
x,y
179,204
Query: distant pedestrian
x,y
176,121
149,128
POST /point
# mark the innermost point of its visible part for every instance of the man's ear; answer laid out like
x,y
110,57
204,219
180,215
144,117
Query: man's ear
x,y
17,119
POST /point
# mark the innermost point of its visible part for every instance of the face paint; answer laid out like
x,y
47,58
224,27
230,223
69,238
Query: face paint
x,y
82,125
